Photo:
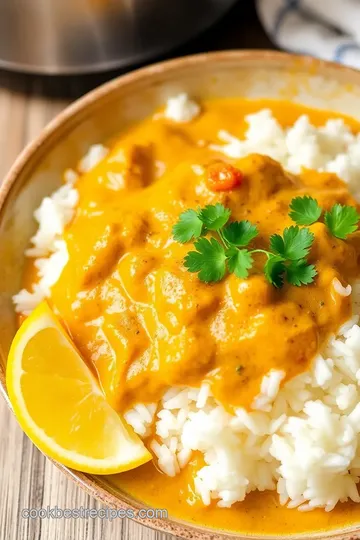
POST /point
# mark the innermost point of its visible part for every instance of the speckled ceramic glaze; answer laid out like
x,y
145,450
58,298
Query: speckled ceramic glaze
x,y
110,109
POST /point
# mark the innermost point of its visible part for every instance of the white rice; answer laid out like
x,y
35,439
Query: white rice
x,y
331,147
301,439
49,248
48,270
70,176
342,291
141,418
53,214
95,154
26,301
181,109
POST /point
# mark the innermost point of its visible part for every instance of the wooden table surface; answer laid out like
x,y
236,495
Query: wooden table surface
x,y
27,479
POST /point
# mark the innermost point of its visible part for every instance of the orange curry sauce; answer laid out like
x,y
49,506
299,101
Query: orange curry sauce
x,y
144,323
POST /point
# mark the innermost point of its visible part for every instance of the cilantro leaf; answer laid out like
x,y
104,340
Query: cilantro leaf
x,y
239,261
294,244
300,273
225,249
304,210
214,217
277,244
342,220
208,260
240,233
189,226
274,270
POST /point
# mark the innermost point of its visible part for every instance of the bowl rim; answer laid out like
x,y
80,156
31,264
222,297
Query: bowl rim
x,y
179,528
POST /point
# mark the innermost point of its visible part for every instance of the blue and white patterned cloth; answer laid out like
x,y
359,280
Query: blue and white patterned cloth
x,y
328,29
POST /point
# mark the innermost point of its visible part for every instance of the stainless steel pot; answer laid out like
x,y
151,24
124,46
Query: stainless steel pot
x,y
74,36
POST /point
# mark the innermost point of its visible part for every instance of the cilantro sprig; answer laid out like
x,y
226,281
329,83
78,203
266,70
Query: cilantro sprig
x,y
208,260
274,270
287,258
240,233
295,243
239,261
305,210
227,248
212,257
188,227
340,220
300,273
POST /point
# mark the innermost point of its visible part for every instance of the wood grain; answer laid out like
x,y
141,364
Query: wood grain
x,y
27,478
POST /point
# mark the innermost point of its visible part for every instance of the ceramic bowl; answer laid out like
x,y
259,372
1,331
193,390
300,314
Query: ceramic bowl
x,y
110,109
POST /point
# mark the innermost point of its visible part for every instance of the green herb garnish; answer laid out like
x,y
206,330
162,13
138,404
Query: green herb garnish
x,y
188,227
208,260
226,250
214,217
300,272
340,221
239,261
305,210
274,270
240,233
213,256
295,243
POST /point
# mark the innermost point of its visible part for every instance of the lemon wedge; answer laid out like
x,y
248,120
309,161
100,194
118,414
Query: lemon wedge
x,y
59,404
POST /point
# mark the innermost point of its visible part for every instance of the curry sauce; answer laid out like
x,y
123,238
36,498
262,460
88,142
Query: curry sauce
x,y
144,323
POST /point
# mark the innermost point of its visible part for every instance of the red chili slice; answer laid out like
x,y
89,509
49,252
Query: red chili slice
x,y
223,177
